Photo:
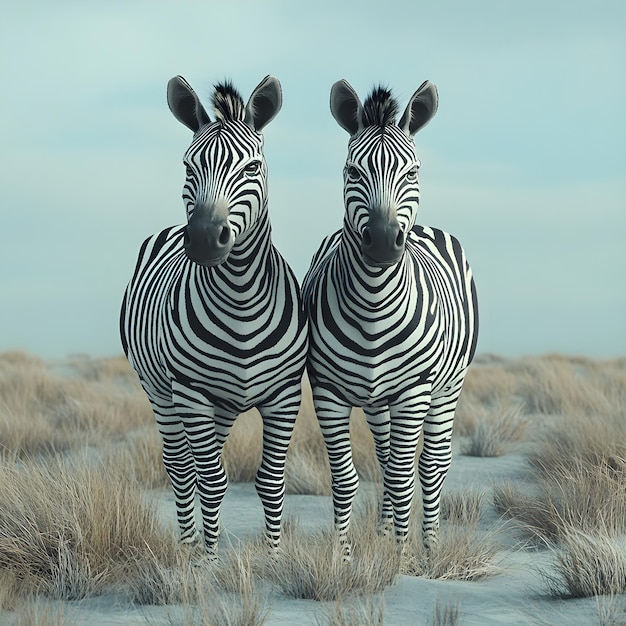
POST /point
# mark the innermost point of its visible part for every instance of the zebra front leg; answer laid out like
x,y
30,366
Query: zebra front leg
x,y
180,468
380,426
407,418
435,460
278,423
198,418
333,415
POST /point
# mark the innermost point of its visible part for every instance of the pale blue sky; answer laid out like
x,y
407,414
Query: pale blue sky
x,y
525,161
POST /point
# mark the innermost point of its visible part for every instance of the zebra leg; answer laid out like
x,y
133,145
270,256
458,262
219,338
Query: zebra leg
x,y
278,423
333,416
197,416
380,426
399,477
180,468
435,459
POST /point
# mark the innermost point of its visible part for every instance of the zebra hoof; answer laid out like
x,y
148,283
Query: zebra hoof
x,y
430,540
385,529
204,560
192,541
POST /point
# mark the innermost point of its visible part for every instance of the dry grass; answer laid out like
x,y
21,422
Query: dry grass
x,y
75,526
580,472
70,527
358,612
494,434
463,553
38,612
41,412
588,565
558,385
201,592
446,615
310,564
462,507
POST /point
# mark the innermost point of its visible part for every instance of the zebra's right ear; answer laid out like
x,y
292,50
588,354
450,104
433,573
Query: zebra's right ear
x,y
264,104
346,107
185,104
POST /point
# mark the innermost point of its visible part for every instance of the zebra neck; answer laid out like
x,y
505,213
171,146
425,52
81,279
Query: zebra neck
x,y
378,281
246,269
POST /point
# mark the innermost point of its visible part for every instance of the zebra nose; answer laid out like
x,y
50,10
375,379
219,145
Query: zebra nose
x,y
207,241
382,242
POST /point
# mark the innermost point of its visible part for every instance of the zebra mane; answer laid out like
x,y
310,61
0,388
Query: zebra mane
x,y
227,103
380,108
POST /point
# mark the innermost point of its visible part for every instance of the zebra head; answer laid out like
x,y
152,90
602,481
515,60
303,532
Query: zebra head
x,y
381,189
225,191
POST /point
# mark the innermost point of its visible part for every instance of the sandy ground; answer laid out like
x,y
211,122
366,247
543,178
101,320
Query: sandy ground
x,y
517,596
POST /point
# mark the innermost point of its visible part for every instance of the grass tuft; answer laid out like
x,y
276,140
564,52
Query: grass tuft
x,y
493,435
446,615
310,565
588,565
359,611
463,553
68,527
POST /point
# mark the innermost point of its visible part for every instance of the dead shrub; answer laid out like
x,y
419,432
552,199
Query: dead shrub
x,y
463,553
69,527
462,507
42,412
360,611
588,565
493,435
310,564
557,385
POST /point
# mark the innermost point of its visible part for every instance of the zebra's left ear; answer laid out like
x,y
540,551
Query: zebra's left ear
x,y
421,108
264,103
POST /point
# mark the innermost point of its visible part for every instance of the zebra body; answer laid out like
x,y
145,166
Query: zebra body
x,y
392,316
212,319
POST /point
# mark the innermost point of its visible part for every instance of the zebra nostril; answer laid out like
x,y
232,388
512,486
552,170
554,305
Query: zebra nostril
x,y
367,237
224,236
186,237
400,239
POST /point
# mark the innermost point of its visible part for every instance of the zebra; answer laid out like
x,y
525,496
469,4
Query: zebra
x,y
212,319
393,316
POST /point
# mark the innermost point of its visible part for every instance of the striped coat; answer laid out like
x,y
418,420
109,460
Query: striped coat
x,y
212,319
392,313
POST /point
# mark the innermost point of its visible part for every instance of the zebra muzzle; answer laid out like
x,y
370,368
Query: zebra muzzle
x,y
207,238
382,242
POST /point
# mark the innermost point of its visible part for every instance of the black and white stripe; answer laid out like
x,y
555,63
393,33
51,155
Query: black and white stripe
x,y
392,313
212,319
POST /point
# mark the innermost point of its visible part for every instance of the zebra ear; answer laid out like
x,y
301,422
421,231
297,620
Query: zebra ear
x,y
346,107
421,108
185,104
264,103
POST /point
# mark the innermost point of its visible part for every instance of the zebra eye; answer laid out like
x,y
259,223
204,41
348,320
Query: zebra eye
x,y
252,169
353,173
188,170
411,175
